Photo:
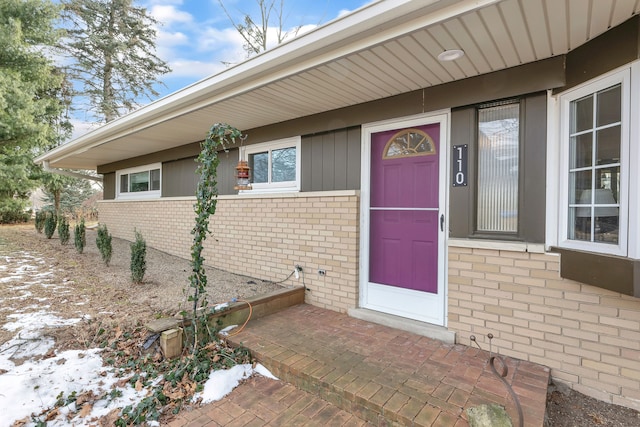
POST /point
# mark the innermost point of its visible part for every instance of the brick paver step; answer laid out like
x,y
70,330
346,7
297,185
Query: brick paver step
x,y
378,374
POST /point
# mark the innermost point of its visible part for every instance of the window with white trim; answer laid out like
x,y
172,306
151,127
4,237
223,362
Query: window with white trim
x,y
275,166
594,178
139,182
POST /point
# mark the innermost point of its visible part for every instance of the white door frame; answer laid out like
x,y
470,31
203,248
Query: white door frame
x,y
439,305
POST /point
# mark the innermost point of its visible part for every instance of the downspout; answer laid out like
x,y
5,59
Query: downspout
x,y
46,167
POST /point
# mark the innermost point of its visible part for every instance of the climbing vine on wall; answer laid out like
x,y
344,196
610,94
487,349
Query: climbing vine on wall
x,y
219,136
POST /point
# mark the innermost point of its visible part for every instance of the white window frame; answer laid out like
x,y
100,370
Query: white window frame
x,y
622,77
151,194
274,187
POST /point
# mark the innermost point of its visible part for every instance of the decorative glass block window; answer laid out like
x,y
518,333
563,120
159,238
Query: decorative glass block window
x,y
275,166
408,143
139,182
498,164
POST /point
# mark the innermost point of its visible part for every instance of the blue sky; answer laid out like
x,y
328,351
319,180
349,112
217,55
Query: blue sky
x,y
196,36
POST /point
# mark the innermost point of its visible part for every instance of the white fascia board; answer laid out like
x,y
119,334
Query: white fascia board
x,y
345,35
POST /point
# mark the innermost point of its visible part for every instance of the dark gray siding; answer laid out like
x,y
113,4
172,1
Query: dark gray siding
x,y
179,178
611,50
532,173
331,161
109,186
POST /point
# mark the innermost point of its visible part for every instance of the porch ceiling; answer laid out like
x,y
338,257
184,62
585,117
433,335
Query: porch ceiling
x,y
381,50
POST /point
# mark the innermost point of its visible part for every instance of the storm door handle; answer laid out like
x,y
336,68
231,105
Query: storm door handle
x,y
442,222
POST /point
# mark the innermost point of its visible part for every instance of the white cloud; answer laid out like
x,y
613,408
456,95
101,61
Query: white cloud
x,y
194,69
165,39
169,15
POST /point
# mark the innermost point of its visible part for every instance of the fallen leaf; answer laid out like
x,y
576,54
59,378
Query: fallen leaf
x,y
85,397
138,385
52,415
86,410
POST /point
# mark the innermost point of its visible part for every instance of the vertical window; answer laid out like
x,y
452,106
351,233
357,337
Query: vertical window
x,y
498,163
595,194
275,166
595,123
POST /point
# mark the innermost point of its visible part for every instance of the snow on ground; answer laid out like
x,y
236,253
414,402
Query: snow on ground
x,y
33,379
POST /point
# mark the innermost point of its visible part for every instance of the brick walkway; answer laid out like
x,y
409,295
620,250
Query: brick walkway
x,y
337,370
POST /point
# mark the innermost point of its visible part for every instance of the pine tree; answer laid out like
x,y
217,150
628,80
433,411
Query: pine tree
x,y
112,47
30,105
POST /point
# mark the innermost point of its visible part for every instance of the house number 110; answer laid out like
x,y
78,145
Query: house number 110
x,y
460,165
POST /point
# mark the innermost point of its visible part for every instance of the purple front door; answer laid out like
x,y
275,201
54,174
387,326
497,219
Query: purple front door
x,y
404,208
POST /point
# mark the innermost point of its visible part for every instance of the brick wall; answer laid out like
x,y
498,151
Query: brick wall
x,y
589,337
260,236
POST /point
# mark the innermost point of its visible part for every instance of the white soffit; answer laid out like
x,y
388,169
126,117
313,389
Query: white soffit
x,y
383,49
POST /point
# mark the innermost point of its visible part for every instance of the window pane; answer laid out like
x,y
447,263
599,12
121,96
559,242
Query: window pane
x,y
609,106
606,225
498,158
608,144
155,179
124,183
139,181
581,150
582,114
579,184
259,164
283,165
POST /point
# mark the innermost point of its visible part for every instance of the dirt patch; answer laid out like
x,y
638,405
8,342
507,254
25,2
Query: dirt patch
x,y
568,408
80,285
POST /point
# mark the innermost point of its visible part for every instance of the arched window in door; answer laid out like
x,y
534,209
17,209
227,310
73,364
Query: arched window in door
x,y
409,143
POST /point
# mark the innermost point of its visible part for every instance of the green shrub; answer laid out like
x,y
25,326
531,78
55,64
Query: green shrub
x,y
103,241
50,223
13,211
138,258
79,236
63,230
40,216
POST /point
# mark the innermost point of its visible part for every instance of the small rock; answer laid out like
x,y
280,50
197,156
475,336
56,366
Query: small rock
x,y
488,416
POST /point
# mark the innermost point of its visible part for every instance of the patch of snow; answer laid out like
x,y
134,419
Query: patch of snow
x,y
225,331
221,383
